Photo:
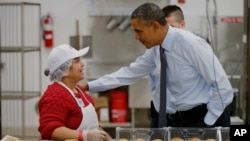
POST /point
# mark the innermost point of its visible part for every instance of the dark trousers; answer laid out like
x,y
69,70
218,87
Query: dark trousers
x,y
191,118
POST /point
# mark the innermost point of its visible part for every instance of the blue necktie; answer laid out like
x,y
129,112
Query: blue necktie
x,y
163,88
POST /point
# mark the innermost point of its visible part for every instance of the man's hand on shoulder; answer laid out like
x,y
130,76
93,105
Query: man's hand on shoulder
x,y
84,86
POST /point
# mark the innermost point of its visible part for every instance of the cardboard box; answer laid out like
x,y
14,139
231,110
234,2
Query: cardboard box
x,y
102,108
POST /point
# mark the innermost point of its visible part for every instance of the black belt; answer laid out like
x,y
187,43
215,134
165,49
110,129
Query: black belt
x,y
188,112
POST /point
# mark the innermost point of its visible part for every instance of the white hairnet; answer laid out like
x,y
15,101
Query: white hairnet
x,y
61,71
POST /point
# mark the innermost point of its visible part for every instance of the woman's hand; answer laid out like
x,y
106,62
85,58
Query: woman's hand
x,y
108,137
94,135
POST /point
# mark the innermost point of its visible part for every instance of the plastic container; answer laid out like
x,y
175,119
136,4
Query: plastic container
x,y
225,133
141,134
193,134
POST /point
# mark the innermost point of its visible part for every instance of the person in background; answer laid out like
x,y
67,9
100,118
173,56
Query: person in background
x,y
198,90
65,110
175,18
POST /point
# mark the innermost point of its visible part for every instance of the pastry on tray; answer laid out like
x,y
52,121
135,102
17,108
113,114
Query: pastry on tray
x,y
139,139
177,139
156,140
122,140
194,139
210,140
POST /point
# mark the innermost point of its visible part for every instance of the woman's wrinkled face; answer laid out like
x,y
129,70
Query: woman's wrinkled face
x,y
76,71
144,32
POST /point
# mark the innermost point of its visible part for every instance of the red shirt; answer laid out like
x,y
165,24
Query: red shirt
x,y
58,108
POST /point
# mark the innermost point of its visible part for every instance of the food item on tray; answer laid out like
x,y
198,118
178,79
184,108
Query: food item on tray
x,y
139,139
194,139
122,140
210,140
177,139
156,140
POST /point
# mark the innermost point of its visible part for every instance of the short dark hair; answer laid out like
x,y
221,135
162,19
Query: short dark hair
x,y
149,12
173,10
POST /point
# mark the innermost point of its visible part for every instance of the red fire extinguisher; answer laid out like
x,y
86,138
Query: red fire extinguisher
x,y
47,22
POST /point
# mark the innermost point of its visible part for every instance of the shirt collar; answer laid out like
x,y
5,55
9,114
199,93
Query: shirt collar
x,y
167,43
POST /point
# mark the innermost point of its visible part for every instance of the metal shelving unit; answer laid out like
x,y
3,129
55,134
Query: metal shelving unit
x,y
20,68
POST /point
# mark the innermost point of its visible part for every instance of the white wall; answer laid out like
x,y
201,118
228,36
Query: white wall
x,y
195,12
198,7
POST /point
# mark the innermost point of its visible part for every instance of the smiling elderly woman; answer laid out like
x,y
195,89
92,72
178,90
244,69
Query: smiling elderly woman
x,y
67,111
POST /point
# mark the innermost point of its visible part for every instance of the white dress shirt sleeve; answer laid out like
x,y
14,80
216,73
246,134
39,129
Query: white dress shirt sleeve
x,y
142,66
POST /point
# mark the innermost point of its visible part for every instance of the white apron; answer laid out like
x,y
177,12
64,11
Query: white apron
x,y
89,119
